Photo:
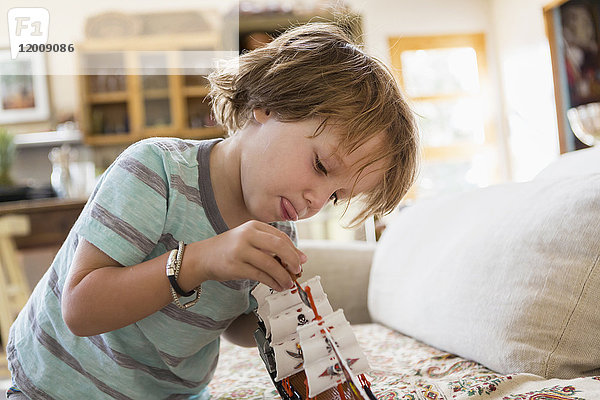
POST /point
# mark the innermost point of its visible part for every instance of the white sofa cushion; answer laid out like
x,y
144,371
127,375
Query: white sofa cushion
x,y
507,276
574,163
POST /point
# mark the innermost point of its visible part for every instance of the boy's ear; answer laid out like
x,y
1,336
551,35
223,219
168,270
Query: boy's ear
x,y
261,115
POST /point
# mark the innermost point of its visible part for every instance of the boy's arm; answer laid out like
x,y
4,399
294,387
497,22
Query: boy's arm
x,y
241,330
101,295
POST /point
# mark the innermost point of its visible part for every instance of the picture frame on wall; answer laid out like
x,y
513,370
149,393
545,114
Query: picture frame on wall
x,y
23,88
581,50
573,30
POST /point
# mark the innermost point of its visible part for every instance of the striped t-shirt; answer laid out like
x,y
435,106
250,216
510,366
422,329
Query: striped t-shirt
x,y
156,193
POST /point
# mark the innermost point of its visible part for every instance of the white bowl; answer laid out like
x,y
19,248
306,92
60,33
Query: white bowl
x,y
585,122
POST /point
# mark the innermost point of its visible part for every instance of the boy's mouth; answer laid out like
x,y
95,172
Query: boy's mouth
x,y
288,212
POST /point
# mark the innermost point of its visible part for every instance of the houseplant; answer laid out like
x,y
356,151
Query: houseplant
x,y
9,191
7,156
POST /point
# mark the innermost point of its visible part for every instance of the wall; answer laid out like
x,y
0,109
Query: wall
x,y
525,68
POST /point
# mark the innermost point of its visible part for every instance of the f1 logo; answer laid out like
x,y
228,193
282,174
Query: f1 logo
x,y
27,25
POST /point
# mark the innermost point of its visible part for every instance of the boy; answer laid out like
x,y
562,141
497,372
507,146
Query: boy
x,y
312,119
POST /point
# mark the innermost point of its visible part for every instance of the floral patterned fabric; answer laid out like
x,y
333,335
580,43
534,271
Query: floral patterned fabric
x,y
403,368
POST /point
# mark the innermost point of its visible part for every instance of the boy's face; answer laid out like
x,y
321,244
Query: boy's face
x,y
288,175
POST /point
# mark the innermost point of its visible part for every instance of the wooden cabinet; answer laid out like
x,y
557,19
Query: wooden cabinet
x,y
50,220
134,94
273,24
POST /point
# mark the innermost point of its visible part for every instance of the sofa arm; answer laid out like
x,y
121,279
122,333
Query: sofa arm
x,y
344,268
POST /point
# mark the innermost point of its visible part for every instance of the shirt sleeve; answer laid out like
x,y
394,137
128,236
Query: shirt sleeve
x,y
126,214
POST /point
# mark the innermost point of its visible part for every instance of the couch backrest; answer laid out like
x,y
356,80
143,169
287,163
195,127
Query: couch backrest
x,y
344,268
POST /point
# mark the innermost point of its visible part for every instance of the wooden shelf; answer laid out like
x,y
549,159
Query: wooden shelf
x,y
159,130
108,97
196,91
150,94
110,139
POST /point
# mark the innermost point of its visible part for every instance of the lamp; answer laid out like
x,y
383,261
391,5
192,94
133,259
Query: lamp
x,y
585,122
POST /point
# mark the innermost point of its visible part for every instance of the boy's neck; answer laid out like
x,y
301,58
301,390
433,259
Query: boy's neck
x,y
226,183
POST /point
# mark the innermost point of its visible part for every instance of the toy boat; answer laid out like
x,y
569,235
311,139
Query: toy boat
x,y
308,349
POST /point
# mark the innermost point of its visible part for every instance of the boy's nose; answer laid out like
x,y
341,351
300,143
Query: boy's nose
x,y
317,197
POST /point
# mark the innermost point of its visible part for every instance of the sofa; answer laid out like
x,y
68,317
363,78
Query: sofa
x,y
491,294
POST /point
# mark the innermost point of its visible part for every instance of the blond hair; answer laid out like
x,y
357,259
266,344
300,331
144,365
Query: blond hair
x,y
316,71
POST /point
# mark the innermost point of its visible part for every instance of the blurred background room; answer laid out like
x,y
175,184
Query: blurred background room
x,y
492,83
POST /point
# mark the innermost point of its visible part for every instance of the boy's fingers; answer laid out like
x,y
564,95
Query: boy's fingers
x,y
275,242
261,276
277,246
270,266
271,229
292,275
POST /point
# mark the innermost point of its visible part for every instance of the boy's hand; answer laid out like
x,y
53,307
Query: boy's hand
x,y
249,251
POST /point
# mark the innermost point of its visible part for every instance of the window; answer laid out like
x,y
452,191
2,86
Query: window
x,y
445,81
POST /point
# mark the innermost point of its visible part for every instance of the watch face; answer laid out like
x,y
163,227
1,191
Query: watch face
x,y
171,263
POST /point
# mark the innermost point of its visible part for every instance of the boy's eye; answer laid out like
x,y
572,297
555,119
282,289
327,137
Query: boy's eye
x,y
319,166
334,197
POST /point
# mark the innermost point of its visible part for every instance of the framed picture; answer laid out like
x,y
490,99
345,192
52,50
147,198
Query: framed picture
x,y
23,88
573,28
579,25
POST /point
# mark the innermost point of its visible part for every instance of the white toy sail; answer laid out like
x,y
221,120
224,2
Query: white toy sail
x,y
321,365
296,336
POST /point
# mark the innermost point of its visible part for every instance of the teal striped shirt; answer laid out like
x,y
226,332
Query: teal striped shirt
x,y
156,193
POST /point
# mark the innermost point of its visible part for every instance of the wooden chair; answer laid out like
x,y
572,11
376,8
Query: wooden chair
x,y
14,289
